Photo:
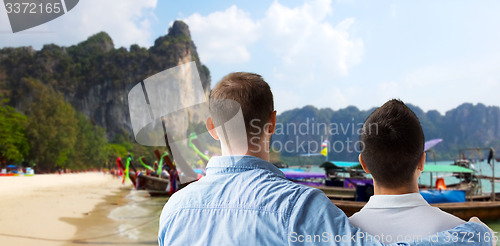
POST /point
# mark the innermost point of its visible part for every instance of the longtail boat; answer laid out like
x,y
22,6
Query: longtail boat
x,y
160,182
472,201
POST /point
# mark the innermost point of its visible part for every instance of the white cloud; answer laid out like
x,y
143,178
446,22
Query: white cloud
x,y
300,40
388,90
393,11
223,36
301,45
334,98
306,41
126,21
310,50
285,99
446,85
345,1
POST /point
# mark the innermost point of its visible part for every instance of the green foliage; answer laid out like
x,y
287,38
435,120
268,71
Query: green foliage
x,y
122,145
60,137
145,151
115,150
45,85
13,142
52,128
123,140
90,148
96,44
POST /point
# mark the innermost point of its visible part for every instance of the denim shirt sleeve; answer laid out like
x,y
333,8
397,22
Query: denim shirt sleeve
x,y
315,220
313,223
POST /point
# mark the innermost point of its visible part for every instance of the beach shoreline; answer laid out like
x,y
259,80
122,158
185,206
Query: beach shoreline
x,y
74,209
34,210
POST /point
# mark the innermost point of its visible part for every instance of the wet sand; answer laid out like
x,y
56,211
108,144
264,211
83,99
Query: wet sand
x,y
128,217
47,209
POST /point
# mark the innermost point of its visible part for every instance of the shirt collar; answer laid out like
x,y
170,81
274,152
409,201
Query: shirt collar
x,y
238,163
396,201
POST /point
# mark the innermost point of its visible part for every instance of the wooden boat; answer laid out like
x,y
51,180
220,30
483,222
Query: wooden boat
x,y
153,185
480,206
160,180
338,193
468,183
156,184
486,210
341,181
484,206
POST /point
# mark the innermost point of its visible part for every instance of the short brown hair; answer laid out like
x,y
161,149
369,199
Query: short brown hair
x,y
393,143
250,92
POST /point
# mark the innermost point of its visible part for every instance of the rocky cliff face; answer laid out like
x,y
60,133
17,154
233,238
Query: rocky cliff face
x,y
95,77
466,126
477,124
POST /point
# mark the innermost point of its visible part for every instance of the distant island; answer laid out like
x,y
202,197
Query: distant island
x,y
466,126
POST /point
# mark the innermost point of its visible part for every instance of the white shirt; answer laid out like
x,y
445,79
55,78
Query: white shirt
x,y
393,218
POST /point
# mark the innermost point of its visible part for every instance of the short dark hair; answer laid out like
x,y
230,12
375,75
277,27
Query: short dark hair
x,y
393,143
253,95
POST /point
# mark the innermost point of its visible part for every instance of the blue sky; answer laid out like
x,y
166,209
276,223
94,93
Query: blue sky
x,y
434,54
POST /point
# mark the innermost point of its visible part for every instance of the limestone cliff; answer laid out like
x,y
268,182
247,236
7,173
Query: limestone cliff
x,y
95,77
466,126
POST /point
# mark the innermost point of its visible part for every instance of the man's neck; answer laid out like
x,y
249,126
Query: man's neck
x,y
264,155
381,190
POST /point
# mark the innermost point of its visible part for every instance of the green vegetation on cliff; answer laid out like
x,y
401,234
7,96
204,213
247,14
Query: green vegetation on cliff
x,y
13,142
66,107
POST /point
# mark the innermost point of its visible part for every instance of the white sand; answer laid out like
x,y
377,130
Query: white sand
x,y
32,206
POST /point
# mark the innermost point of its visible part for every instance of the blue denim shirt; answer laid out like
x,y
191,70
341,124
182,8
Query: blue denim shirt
x,y
244,200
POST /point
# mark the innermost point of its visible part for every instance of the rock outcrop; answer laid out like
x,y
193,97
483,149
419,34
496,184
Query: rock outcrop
x,y
95,77
467,126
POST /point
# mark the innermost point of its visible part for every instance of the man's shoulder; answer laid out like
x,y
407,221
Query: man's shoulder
x,y
404,220
446,217
359,218
417,211
257,188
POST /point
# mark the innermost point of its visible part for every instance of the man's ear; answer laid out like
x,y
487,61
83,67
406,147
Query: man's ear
x,y
363,165
211,128
421,162
272,123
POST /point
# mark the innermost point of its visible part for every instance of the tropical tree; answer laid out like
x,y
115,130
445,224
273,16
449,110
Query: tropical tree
x,y
13,142
52,128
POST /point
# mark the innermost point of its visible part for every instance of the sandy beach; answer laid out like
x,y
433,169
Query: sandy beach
x,y
33,209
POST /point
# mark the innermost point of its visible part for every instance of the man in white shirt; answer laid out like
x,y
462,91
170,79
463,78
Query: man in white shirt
x,y
393,152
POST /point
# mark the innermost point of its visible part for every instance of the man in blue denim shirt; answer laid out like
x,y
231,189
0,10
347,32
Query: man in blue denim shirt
x,y
245,200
